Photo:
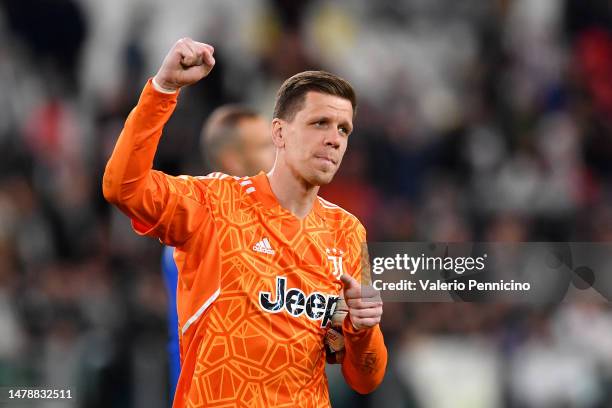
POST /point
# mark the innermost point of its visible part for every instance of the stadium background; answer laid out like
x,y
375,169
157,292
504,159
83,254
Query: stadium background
x,y
478,120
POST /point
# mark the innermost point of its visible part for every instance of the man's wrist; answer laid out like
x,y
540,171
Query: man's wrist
x,y
349,327
161,88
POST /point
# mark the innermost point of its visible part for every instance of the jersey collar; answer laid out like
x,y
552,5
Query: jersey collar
x,y
264,194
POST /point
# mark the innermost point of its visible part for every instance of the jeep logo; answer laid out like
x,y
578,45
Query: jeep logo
x,y
317,306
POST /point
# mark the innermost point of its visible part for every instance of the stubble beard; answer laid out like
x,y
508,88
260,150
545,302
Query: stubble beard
x,y
312,177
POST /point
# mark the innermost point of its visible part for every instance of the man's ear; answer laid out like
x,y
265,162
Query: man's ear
x,y
277,132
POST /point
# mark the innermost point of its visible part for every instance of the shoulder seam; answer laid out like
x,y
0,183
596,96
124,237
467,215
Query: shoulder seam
x,y
331,206
216,176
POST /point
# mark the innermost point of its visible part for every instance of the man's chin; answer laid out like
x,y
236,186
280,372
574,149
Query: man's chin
x,y
322,178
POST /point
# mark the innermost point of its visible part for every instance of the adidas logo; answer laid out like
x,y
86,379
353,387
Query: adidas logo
x,y
264,247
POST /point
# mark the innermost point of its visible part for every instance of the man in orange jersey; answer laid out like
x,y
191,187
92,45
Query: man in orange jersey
x,y
262,260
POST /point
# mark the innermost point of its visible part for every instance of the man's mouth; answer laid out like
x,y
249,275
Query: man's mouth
x,y
329,159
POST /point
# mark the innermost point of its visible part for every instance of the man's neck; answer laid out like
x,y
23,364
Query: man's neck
x,y
293,193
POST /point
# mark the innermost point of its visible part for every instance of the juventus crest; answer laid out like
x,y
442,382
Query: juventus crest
x,y
334,255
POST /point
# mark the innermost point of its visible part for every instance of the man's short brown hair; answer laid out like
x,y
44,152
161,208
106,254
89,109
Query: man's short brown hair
x,y
291,95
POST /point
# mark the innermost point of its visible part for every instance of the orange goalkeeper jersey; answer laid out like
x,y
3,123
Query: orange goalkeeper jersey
x,y
257,286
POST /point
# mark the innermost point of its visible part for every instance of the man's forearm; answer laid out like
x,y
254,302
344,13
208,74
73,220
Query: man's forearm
x,y
132,158
365,360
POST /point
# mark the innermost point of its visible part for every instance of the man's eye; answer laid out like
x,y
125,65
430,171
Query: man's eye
x,y
320,123
344,130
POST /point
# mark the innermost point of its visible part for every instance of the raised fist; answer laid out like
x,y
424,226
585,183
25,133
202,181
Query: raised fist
x,y
186,63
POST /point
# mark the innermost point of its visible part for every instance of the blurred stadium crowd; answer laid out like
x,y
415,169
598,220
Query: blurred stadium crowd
x,y
478,121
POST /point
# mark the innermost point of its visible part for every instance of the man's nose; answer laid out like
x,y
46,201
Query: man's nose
x,y
332,139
